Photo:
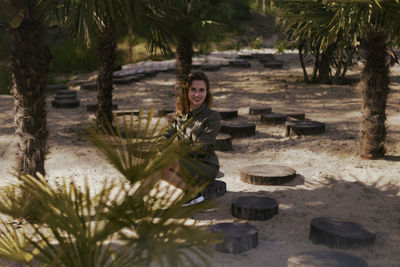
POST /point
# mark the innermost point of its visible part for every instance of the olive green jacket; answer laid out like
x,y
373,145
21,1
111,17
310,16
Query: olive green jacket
x,y
202,127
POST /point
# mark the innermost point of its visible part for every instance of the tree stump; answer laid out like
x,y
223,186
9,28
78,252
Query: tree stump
x,y
126,80
91,86
227,114
267,60
304,127
223,142
257,110
210,67
151,73
296,115
325,258
237,237
128,112
263,56
164,111
237,129
254,208
93,107
213,190
66,92
265,174
273,118
240,64
65,103
340,234
273,65
62,97
56,87
244,56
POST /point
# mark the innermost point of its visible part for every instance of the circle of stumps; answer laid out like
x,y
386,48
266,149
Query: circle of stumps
x,y
266,174
223,142
258,110
254,208
323,258
340,234
215,189
236,237
238,129
304,127
273,118
227,114
65,99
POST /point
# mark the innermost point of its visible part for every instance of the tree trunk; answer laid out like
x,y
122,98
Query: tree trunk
x,y
374,89
30,58
106,57
324,69
184,54
303,66
316,67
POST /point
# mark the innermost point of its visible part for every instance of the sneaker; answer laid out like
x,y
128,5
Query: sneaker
x,y
194,201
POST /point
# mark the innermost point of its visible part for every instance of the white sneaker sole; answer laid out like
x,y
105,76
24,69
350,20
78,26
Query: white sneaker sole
x,y
195,201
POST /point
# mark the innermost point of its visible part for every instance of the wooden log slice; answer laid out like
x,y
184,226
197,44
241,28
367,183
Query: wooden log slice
x,y
257,110
128,112
62,97
210,67
273,65
126,80
304,127
262,56
65,103
265,174
91,86
56,87
237,129
340,234
296,115
164,111
254,208
237,237
325,258
66,92
227,114
273,118
223,142
93,107
245,56
239,64
267,60
215,189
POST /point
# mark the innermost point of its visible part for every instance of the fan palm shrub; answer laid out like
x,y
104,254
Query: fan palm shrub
x,y
131,221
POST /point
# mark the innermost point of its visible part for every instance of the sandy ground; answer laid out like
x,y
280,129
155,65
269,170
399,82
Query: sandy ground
x,y
331,179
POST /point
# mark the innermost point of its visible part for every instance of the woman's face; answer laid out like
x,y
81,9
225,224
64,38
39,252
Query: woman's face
x,y
197,93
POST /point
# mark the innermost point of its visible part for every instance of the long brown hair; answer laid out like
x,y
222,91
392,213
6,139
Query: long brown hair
x,y
183,104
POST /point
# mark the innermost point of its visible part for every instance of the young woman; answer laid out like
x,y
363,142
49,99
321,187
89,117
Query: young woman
x,y
198,125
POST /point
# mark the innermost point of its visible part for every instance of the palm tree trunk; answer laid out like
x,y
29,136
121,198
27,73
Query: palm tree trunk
x,y
324,69
184,54
303,66
30,58
106,57
374,89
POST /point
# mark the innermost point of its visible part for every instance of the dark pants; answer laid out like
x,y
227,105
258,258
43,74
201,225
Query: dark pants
x,y
197,172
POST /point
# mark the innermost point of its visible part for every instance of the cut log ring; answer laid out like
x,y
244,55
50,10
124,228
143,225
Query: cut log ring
x,y
237,237
239,64
66,92
128,112
237,129
273,118
93,107
304,127
274,65
56,87
296,115
91,86
340,234
257,110
265,174
227,114
254,208
210,67
62,97
65,103
325,258
126,80
213,190
223,142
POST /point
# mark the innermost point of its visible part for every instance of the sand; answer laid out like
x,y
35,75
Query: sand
x,y
331,178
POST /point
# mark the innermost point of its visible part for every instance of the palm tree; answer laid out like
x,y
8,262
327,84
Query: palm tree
x,y
27,23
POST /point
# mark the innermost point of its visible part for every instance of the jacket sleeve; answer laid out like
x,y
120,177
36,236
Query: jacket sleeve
x,y
205,141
